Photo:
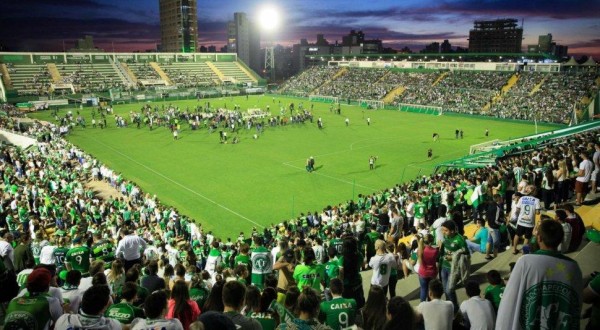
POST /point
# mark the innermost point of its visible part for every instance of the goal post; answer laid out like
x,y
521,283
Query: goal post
x,y
426,109
324,98
371,104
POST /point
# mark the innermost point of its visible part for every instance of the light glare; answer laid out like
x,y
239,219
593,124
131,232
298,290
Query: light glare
x,y
268,18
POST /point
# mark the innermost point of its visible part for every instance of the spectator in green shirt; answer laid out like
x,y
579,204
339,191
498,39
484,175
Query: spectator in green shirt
x,y
339,312
494,291
125,312
452,245
309,273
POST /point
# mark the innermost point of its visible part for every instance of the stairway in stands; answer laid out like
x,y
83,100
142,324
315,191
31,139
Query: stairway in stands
x,y
5,76
338,74
56,77
389,98
537,87
442,76
216,70
509,84
127,70
247,72
161,73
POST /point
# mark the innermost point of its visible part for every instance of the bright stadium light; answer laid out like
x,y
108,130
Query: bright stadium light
x,y
268,18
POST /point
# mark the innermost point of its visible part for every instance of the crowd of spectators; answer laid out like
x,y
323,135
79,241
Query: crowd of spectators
x,y
458,91
357,84
308,80
131,260
554,101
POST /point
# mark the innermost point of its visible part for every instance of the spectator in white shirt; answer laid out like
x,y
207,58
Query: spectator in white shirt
x,y
477,312
47,254
382,264
6,250
70,291
437,313
584,175
129,248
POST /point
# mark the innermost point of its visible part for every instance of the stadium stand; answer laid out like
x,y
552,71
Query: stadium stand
x,y
89,77
541,96
233,73
550,97
143,71
357,84
33,73
308,80
30,79
191,74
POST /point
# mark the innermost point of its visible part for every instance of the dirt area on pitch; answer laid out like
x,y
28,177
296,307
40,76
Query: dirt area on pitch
x,y
103,190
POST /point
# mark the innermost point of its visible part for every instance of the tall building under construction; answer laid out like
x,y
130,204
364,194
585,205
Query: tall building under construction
x,y
178,26
498,36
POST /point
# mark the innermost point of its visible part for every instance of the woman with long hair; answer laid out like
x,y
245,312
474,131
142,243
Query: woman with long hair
x,y
214,302
307,310
400,315
261,311
168,274
252,300
372,315
115,276
351,262
180,305
199,291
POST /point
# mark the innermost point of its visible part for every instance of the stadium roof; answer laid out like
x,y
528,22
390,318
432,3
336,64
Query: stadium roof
x,y
468,57
572,62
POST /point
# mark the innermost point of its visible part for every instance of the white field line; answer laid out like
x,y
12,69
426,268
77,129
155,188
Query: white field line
x,y
182,186
332,177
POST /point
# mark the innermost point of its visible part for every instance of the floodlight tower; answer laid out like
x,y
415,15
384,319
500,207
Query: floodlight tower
x,y
268,18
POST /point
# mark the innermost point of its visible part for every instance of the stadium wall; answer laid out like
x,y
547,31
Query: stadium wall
x,y
16,139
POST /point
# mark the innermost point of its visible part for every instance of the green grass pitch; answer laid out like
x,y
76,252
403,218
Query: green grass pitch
x,y
230,188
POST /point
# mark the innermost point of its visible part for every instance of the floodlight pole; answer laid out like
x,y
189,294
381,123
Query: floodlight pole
x,y
270,61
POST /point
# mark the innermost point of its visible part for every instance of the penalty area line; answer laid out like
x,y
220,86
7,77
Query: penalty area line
x,y
181,185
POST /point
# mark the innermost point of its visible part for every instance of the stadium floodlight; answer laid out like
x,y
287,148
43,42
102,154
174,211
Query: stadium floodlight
x,y
268,18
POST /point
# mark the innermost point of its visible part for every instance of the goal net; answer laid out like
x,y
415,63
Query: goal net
x,y
324,98
426,109
371,104
485,146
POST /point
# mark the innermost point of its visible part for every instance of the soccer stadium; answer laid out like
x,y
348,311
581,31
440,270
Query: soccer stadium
x,y
187,190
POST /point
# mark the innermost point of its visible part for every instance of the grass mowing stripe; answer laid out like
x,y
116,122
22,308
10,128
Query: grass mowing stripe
x,y
180,185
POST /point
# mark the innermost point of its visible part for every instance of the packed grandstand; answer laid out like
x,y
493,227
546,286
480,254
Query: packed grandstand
x,y
115,261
